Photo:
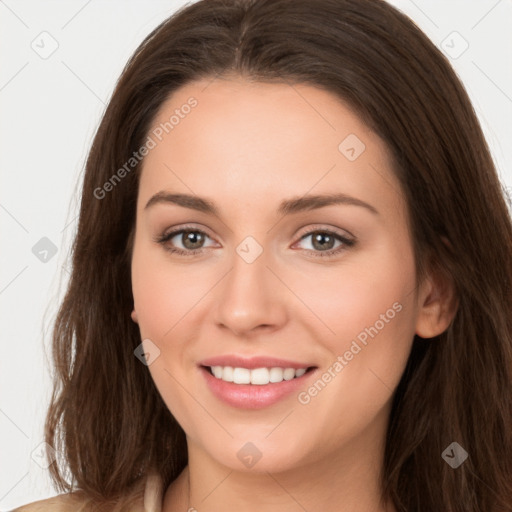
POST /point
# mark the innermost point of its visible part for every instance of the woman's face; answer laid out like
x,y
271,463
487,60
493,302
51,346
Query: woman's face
x,y
284,274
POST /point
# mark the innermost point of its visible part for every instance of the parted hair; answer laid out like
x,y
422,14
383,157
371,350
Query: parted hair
x,y
107,420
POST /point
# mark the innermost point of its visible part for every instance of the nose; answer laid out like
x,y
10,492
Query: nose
x,y
251,298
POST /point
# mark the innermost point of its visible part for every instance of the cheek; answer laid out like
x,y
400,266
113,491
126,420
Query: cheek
x,y
163,295
351,298
163,292
369,310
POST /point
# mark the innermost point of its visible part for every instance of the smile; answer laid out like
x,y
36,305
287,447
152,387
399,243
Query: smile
x,y
255,388
256,376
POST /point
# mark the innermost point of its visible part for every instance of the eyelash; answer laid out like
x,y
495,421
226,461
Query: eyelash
x,y
164,238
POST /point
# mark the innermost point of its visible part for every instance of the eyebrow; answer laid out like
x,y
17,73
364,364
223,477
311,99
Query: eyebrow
x,y
286,207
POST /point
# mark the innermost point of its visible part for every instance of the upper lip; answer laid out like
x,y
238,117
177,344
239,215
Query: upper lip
x,y
252,362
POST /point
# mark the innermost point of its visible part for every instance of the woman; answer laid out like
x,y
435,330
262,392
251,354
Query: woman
x,y
291,284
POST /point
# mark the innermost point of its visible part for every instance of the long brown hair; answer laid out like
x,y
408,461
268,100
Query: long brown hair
x,y
106,417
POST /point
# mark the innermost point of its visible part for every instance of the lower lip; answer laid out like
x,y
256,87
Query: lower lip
x,y
253,396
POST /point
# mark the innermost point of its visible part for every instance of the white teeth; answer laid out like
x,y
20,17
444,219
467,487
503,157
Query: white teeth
x,y
276,374
241,376
289,373
257,376
227,374
260,376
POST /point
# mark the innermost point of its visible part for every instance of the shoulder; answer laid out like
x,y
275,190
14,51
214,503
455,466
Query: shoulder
x,y
78,502
70,502
62,503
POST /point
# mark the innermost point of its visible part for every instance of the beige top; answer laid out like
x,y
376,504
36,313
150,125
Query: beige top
x,y
153,493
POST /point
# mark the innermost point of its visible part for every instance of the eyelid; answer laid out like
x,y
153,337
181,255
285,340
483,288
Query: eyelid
x,y
343,233
186,227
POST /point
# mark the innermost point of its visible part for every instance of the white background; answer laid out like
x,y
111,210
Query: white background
x,y
50,109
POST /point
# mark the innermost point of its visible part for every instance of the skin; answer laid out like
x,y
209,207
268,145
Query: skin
x,y
247,146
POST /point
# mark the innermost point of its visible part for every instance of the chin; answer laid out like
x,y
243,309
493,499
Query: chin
x,y
259,455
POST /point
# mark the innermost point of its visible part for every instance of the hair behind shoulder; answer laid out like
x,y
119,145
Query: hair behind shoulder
x,y
107,419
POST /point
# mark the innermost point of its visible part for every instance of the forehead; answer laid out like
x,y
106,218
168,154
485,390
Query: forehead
x,y
261,141
295,112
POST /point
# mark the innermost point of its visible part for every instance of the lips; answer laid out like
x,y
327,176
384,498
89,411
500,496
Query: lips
x,y
253,362
243,393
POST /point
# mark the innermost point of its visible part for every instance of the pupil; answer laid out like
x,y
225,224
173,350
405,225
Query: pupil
x,y
194,237
317,239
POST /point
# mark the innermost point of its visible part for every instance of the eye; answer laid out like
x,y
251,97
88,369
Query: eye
x,y
190,238
323,242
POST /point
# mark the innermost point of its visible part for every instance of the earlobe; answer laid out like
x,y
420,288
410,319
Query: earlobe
x,y
134,316
438,305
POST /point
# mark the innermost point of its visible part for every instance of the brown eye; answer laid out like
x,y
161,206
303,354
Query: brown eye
x,y
192,239
323,242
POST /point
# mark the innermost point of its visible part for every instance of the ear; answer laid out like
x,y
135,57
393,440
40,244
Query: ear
x,y
134,316
437,304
